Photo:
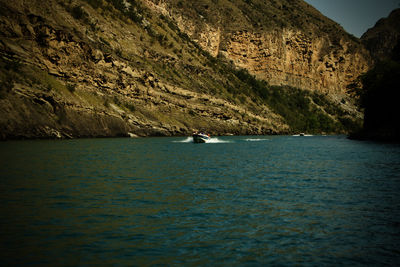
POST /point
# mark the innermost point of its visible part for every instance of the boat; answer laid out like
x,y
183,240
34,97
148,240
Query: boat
x,y
201,137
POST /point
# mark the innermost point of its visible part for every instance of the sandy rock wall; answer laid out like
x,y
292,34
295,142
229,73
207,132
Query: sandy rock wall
x,y
291,58
281,56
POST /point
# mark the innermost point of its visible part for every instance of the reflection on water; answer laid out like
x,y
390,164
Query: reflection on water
x,y
244,200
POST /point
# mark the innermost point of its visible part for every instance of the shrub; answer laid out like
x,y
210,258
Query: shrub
x,y
135,17
130,106
118,52
6,86
106,103
78,13
42,39
71,87
118,4
95,3
116,101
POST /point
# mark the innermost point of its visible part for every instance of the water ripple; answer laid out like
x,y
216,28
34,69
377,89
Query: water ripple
x,y
166,201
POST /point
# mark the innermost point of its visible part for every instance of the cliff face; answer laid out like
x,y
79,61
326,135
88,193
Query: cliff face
x,y
282,42
289,57
379,94
382,39
119,68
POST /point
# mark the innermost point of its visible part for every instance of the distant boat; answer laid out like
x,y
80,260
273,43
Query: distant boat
x,y
301,134
201,137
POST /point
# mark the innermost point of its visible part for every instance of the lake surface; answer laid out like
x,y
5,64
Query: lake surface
x,y
238,201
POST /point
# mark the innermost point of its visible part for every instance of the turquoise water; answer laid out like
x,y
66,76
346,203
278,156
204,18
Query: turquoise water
x,y
238,201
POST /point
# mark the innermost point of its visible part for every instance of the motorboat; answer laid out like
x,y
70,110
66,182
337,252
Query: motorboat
x,y
201,137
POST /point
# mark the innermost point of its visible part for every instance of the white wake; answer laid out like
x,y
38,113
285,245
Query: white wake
x,y
256,139
215,140
187,140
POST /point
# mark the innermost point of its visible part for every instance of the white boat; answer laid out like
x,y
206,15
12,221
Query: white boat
x,y
201,138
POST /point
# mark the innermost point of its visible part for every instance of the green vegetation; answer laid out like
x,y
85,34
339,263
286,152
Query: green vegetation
x,y
295,106
6,85
8,73
71,87
107,103
12,71
130,107
261,14
304,111
131,9
78,13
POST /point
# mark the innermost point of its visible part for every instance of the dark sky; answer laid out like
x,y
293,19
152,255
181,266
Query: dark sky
x,y
355,16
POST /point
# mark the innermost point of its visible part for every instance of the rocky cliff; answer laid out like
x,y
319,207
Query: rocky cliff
x,y
290,57
282,42
382,39
378,88
118,68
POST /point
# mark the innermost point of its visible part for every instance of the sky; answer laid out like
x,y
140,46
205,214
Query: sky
x,y
355,16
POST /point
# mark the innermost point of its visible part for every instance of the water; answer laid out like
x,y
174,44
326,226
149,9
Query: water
x,y
238,201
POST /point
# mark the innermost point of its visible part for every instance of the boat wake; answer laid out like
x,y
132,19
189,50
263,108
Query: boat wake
x,y
256,140
213,140
187,140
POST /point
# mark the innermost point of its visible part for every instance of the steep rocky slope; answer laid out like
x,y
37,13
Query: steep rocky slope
x,y
117,68
283,42
381,39
377,89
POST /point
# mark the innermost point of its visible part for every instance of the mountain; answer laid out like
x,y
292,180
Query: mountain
x,y
378,93
382,39
283,42
122,67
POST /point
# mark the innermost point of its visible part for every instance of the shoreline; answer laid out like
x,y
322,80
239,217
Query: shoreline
x,y
24,138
